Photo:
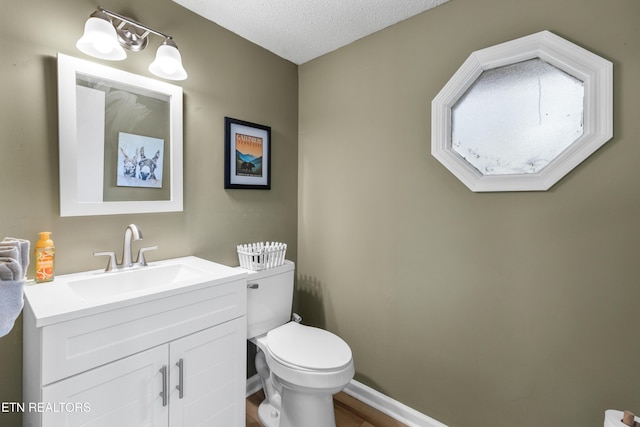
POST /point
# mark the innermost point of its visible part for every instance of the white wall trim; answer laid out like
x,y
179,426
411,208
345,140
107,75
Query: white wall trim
x,y
253,384
375,399
389,406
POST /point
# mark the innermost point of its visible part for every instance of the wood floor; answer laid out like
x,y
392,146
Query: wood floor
x,y
350,412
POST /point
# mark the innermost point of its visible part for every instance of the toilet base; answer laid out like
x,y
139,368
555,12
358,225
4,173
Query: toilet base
x,y
299,409
309,409
268,415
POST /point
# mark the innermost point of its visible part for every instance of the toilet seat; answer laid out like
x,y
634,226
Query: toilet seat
x,y
307,348
295,360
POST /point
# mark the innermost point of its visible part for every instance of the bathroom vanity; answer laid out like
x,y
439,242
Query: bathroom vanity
x,y
159,346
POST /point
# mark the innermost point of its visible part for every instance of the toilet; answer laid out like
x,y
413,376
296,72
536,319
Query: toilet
x,y
301,367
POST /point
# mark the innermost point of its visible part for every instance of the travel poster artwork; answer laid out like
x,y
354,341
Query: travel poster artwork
x,y
140,161
249,153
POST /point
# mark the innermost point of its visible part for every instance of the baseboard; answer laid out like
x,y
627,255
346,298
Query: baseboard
x,y
375,399
392,408
253,384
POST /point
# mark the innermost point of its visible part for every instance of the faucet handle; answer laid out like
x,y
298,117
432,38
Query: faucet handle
x,y
112,259
141,259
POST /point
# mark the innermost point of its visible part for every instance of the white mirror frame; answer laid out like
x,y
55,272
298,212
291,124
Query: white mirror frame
x,y
70,205
595,72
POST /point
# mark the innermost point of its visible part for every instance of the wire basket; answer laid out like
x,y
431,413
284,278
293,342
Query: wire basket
x,y
260,256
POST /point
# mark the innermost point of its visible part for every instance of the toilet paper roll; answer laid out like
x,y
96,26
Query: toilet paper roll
x,y
613,418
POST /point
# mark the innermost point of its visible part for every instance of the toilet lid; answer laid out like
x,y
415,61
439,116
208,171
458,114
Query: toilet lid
x,y
308,347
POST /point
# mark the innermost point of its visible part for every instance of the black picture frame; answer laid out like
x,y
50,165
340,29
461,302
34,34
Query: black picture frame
x,y
247,155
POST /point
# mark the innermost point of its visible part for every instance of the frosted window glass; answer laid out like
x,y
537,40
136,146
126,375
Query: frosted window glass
x,y
516,119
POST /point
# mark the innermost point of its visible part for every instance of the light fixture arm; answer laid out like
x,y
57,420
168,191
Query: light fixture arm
x,y
122,24
130,21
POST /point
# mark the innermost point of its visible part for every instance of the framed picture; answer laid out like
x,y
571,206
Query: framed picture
x,y
247,150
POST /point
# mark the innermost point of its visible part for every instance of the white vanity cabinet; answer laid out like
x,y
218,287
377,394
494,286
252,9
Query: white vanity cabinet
x,y
127,392
174,360
124,392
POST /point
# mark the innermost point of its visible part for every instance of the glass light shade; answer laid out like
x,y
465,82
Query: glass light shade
x,y
100,40
168,63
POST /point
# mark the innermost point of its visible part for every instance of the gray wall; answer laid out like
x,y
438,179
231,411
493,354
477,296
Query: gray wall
x,y
477,309
228,76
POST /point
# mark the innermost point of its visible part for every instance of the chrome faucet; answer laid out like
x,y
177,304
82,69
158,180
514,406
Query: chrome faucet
x,y
131,233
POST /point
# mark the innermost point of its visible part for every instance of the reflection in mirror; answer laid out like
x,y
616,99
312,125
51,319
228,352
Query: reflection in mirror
x,y
517,118
130,119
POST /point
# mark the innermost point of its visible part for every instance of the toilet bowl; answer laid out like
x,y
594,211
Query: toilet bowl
x,y
301,367
307,366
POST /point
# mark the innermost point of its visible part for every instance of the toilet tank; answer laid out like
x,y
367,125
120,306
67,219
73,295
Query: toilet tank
x,y
269,298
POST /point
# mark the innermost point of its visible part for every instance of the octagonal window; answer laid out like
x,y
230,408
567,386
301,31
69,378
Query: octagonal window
x,y
519,116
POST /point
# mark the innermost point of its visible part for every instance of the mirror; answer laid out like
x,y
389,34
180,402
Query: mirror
x,y
521,115
120,141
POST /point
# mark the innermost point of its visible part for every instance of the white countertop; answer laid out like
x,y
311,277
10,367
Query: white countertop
x,y
56,301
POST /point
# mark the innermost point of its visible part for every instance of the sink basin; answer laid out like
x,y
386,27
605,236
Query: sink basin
x,y
123,282
76,295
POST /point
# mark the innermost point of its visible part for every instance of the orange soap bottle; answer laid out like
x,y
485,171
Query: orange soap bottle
x,y
45,254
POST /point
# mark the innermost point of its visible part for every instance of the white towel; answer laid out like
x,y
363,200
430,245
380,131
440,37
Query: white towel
x,y
14,260
10,263
23,247
11,303
10,269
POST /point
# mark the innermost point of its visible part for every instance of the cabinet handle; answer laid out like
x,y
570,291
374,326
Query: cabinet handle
x,y
165,385
180,386
253,286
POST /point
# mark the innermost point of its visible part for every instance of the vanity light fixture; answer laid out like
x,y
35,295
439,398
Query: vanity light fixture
x,y
106,33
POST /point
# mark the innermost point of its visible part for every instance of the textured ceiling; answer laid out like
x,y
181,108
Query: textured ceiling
x,y
301,30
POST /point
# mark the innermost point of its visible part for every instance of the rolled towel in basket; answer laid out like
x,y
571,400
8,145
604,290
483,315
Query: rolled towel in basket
x,y
23,247
10,269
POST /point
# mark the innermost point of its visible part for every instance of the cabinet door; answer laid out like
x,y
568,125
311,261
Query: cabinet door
x,y
124,393
213,377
